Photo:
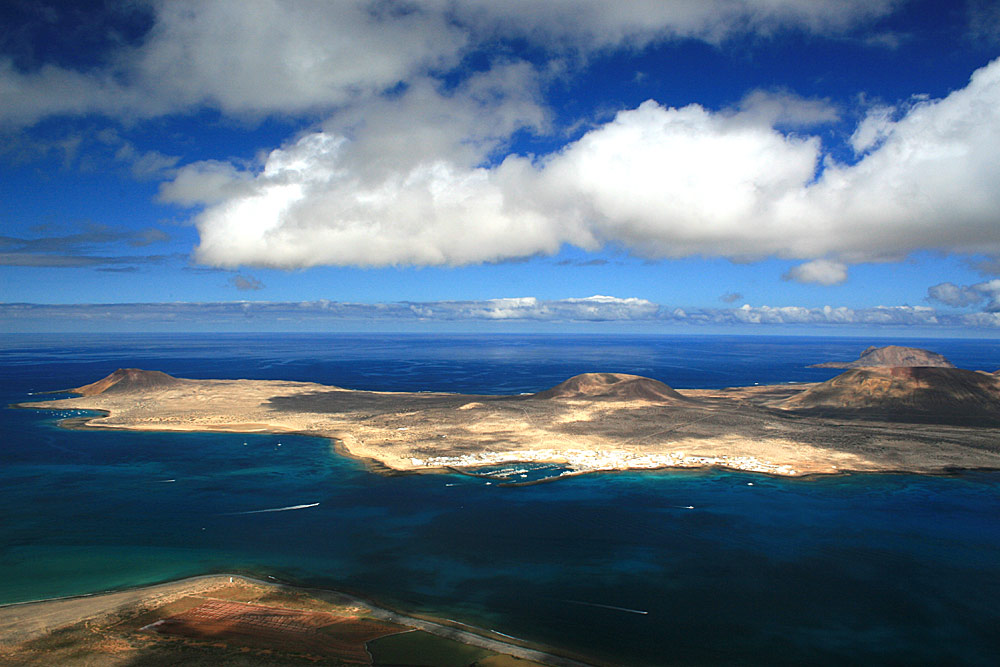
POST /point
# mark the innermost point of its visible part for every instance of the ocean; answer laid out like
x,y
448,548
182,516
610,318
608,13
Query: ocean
x,y
873,569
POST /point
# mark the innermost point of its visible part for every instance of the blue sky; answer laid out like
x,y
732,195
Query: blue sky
x,y
782,166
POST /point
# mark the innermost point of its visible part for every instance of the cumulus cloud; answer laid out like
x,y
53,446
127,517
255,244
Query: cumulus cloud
x,y
670,182
409,170
218,53
304,209
385,184
661,182
819,272
954,295
928,185
664,182
958,296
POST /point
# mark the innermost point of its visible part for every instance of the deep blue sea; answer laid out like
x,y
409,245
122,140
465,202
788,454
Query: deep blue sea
x,y
858,569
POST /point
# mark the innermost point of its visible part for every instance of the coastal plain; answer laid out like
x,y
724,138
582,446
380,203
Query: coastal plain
x,y
866,420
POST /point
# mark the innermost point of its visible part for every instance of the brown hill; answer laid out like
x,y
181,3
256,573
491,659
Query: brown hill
x,y
128,379
891,355
910,394
620,386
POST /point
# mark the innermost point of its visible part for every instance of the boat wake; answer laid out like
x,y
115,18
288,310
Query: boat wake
x,y
273,509
607,606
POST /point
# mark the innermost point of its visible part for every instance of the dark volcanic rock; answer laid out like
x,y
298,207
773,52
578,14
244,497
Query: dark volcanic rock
x,y
891,355
913,394
128,379
619,386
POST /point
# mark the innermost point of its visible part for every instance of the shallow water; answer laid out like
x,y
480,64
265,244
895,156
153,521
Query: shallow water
x,y
863,568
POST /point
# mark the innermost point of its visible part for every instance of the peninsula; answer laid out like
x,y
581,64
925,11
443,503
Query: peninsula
x,y
594,422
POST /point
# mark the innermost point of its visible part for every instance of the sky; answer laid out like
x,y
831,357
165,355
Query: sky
x,y
815,167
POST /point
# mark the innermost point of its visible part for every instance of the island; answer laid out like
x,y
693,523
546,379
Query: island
x,y
889,356
899,415
921,419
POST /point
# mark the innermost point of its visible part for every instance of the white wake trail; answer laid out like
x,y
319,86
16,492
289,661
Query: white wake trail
x,y
273,509
608,606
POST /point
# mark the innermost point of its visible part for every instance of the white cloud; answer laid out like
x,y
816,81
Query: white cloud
x,y
819,272
590,309
674,182
650,179
251,57
206,182
671,182
408,171
597,309
465,125
304,208
259,57
958,296
404,189
954,295
662,182
873,129
784,108
595,24
829,315
930,185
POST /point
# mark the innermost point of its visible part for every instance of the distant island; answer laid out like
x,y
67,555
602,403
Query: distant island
x,y
599,421
891,356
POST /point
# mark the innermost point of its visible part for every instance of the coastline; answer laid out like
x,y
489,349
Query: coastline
x,y
28,621
378,467
438,465
737,428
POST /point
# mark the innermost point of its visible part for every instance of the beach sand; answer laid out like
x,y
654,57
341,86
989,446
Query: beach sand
x,y
134,627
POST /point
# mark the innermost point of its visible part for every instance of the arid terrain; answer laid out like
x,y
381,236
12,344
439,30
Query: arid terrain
x,y
891,356
595,421
235,620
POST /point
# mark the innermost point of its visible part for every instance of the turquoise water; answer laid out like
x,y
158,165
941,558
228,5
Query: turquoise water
x,y
887,569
